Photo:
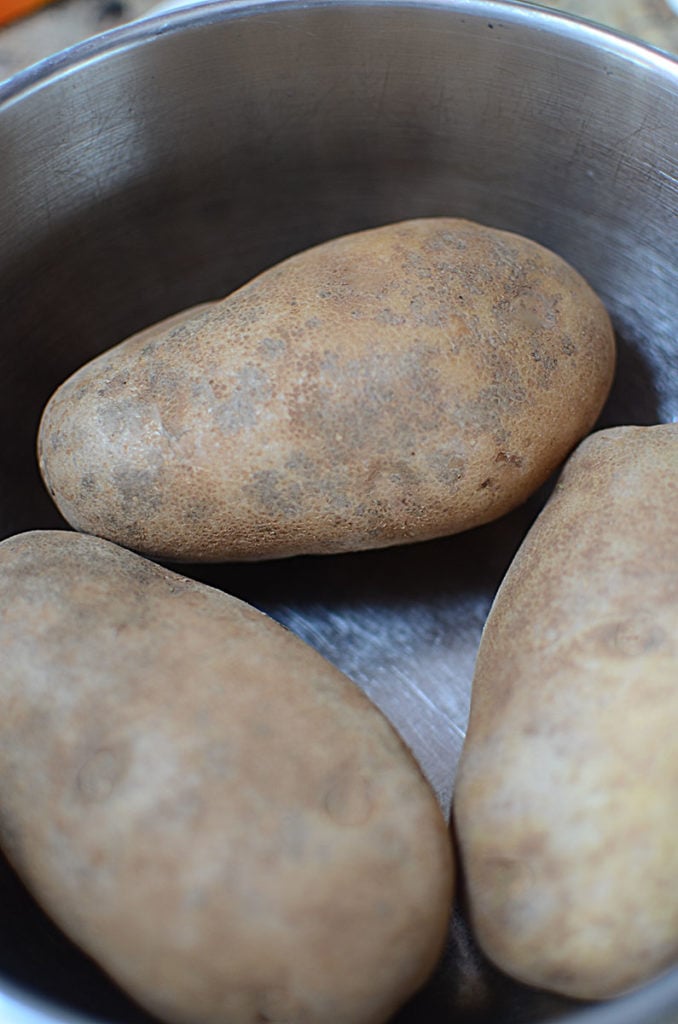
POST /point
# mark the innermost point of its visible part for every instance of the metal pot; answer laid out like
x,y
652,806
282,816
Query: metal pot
x,y
166,163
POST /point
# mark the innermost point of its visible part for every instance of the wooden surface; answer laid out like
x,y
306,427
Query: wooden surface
x,y
66,22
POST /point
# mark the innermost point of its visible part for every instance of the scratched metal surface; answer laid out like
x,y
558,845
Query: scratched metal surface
x,y
53,28
165,164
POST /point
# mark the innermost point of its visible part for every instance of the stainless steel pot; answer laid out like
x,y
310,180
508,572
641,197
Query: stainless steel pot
x,y
167,162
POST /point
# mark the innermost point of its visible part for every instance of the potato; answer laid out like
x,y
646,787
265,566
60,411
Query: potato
x,y
213,812
390,386
566,801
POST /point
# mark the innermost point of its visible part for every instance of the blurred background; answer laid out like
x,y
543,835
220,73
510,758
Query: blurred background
x,y
33,29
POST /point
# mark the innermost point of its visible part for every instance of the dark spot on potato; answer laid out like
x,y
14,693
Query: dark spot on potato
x,y
493,407
548,362
275,493
387,316
424,313
534,844
560,979
251,391
293,836
138,486
510,459
100,774
88,484
277,1007
114,386
241,309
629,637
57,441
218,760
117,419
448,468
348,800
513,878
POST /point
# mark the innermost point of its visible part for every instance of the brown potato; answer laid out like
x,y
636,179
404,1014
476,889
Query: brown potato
x,y
566,801
212,811
390,386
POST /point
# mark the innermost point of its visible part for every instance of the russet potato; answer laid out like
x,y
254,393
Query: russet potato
x,y
566,800
212,811
390,386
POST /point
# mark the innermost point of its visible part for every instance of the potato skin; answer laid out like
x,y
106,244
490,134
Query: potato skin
x,y
390,386
565,801
213,812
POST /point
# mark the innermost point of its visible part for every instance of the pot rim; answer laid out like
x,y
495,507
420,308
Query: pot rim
x,y
151,27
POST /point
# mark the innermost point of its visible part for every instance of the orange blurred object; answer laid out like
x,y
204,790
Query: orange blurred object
x,y
11,9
